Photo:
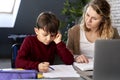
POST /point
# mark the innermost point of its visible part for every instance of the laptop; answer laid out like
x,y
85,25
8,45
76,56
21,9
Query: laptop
x,y
107,60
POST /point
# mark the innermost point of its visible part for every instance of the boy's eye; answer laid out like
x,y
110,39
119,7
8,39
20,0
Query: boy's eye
x,y
52,35
45,34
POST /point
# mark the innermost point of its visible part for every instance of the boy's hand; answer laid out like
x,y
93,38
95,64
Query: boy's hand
x,y
43,67
58,38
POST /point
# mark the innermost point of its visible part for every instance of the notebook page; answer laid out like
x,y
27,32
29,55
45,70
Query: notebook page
x,y
61,71
84,66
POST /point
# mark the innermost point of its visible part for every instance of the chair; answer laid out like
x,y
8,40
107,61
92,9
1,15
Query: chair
x,y
15,47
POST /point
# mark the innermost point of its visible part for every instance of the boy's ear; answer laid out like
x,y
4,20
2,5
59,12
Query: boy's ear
x,y
36,30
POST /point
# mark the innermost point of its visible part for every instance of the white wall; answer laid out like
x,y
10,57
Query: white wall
x,y
115,13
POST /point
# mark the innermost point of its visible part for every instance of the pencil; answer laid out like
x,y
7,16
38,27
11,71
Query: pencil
x,y
51,68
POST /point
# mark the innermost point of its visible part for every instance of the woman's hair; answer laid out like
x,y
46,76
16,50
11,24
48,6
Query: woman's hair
x,y
48,22
102,8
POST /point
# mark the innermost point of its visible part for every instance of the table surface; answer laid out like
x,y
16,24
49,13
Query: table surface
x,y
53,79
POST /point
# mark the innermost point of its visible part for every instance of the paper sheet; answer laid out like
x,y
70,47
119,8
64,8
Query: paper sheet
x,y
61,71
11,69
85,66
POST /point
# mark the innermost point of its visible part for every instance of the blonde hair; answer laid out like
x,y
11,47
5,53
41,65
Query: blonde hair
x,y
102,7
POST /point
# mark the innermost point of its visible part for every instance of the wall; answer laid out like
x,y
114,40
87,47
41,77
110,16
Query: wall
x,y
28,12
115,13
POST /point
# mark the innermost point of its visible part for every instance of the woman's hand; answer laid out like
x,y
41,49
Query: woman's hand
x,y
81,59
43,67
58,38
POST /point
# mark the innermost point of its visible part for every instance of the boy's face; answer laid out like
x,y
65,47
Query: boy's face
x,y
44,36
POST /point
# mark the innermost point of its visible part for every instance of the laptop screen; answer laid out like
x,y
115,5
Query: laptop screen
x,y
107,60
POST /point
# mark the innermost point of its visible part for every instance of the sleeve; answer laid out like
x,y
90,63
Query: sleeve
x,y
65,54
116,34
23,60
70,42
73,41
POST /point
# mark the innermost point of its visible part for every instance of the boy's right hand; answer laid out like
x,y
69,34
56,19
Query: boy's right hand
x,y
43,67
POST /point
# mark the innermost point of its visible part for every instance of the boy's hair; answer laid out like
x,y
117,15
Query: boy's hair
x,y
48,22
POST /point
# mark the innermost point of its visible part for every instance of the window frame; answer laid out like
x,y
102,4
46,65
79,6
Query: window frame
x,y
7,19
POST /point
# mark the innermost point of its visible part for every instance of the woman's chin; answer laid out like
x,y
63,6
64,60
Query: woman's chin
x,y
88,27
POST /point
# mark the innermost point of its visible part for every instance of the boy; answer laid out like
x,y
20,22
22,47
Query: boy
x,y
38,52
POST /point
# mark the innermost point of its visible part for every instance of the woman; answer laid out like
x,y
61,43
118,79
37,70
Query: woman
x,y
96,24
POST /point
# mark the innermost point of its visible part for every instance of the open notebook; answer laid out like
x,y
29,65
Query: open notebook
x,y
85,66
61,71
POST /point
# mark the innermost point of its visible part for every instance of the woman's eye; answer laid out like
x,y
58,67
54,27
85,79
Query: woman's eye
x,y
94,18
87,14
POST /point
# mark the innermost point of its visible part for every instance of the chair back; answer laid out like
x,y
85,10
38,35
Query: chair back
x,y
15,47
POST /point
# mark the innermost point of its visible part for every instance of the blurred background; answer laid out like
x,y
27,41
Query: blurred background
x,y
68,11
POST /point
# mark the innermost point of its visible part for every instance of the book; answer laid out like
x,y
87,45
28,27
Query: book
x,y
9,73
61,71
84,66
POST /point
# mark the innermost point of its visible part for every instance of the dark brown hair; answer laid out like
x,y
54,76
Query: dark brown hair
x,y
48,22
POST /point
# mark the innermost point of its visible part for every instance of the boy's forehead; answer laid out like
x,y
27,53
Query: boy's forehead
x,y
48,31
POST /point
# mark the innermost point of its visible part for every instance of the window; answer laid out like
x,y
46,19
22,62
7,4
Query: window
x,y
8,12
7,6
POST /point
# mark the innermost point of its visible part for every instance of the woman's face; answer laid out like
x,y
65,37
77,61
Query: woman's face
x,y
44,36
92,19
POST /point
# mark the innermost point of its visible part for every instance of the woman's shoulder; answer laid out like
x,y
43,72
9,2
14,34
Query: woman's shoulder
x,y
114,28
75,28
116,32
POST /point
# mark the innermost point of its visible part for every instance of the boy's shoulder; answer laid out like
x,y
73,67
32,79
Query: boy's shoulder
x,y
30,37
